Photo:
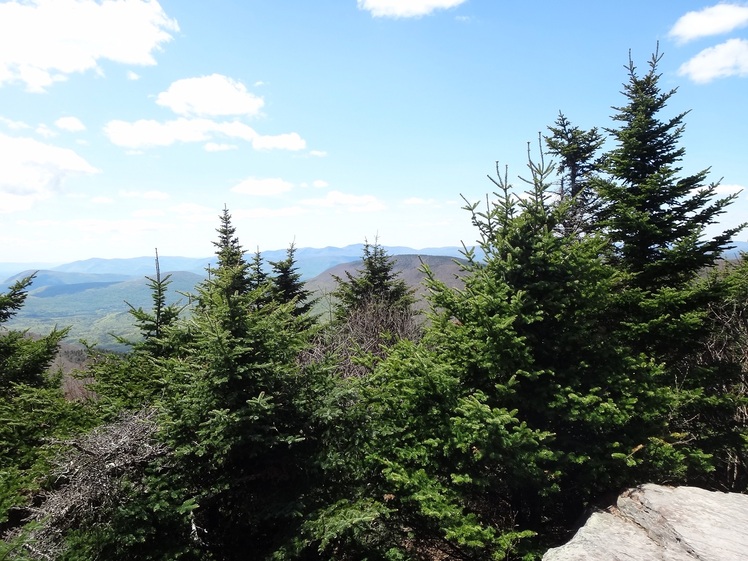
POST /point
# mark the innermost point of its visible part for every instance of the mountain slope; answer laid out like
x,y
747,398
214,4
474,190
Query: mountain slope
x,y
96,309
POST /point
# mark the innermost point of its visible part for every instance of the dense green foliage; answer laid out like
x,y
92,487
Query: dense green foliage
x,y
33,411
592,345
288,288
376,283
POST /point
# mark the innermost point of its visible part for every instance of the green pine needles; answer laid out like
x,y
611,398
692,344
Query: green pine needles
x,y
595,341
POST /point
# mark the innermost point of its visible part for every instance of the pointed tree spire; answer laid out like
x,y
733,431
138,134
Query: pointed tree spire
x,y
655,217
578,164
376,282
232,268
287,284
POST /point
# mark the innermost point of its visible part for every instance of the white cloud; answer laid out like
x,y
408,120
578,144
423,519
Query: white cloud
x,y
405,8
714,20
216,147
418,201
258,213
318,153
133,76
102,200
320,183
123,228
33,171
729,189
149,195
145,133
71,124
346,202
210,96
288,141
263,187
44,41
45,131
14,125
195,213
148,213
726,59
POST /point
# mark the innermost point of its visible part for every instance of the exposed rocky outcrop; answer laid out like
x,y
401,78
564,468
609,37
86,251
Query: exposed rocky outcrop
x,y
653,522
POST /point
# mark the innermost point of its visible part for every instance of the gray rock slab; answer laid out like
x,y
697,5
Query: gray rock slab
x,y
658,523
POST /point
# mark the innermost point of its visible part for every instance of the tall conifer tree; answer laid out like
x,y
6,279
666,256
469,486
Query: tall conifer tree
x,y
578,163
656,218
377,282
231,263
287,284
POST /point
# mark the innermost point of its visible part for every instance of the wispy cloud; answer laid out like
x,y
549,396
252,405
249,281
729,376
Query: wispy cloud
x,y
102,200
44,131
193,212
259,213
263,187
405,8
148,133
14,125
43,41
219,147
418,201
148,213
346,201
148,195
287,141
33,171
726,59
714,20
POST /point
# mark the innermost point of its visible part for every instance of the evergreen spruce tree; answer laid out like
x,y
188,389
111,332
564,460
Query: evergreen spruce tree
x,y
259,280
154,324
655,218
376,282
33,409
578,164
371,310
237,416
24,360
288,288
231,262
135,380
238,421
257,275
530,334
520,406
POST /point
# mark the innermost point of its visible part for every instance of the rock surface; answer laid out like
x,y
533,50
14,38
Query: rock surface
x,y
657,523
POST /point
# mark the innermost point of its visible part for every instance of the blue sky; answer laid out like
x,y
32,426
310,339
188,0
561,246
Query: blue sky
x,y
127,125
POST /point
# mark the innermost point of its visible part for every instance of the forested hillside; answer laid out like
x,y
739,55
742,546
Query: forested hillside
x,y
94,305
592,344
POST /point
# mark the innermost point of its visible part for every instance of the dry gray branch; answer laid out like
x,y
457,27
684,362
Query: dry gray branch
x,y
87,478
368,329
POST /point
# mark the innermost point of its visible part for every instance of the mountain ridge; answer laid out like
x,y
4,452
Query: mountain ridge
x,y
310,261
97,307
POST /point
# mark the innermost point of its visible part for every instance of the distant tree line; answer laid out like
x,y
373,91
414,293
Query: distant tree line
x,y
599,342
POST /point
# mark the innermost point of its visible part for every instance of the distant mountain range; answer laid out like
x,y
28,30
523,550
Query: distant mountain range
x,y
311,261
92,296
